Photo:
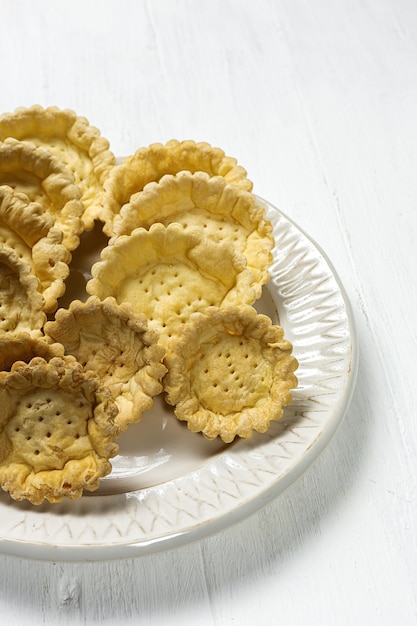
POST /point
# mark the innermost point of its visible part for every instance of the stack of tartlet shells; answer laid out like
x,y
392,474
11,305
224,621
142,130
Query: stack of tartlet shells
x,y
71,380
191,247
169,306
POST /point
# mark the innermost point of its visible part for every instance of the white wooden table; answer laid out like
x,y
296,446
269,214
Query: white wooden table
x,y
317,100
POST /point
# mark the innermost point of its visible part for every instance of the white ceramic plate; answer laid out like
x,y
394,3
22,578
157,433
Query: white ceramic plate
x,y
170,486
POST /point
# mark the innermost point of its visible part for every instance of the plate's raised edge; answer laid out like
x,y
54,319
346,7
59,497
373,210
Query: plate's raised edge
x,y
104,552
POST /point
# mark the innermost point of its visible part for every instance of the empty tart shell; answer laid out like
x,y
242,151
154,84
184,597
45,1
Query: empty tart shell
x,y
57,430
225,213
114,342
150,164
73,140
166,273
21,304
43,178
230,372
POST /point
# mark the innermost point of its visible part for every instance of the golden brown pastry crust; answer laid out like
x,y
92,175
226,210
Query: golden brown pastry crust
x,y
230,372
25,218
41,177
50,264
115,343
224,212
21,346
73,140
150,164
44,253
168,272
57,430
21,304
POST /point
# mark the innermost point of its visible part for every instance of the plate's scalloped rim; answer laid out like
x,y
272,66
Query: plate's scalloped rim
x,y
232,485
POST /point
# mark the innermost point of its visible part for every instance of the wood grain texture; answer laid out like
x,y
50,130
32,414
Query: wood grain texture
x,y
317,100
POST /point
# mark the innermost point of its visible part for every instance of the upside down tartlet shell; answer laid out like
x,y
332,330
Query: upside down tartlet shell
x,y
230,372
224,212
150,164
116,344
72,139
167,272
57,430
43,178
